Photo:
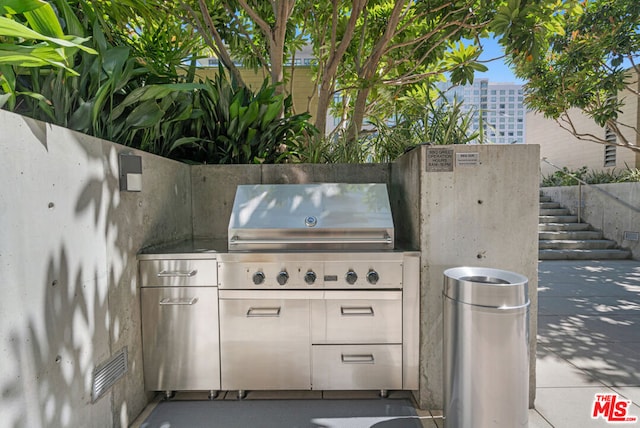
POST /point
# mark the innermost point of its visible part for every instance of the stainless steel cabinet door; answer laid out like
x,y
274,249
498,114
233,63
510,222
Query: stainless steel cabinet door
x,y
265,344
180,338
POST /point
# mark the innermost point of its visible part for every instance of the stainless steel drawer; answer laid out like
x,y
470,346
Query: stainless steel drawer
x,y
357,367
177,272
357,317
180,338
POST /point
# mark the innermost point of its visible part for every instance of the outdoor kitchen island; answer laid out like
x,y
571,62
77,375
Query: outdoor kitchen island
x,y
308,293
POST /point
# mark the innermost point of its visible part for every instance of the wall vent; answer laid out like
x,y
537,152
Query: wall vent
x,y
631,236
609,149
105,375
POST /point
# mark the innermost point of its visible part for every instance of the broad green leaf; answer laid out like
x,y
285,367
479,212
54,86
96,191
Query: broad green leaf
x,y
45,21
80,120
3,99
272,111
19,6
182,141
145,115
114,59
249,116
73,24
11,28
234,109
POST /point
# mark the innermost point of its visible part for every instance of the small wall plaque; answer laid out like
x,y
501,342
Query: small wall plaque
x,y
439,160
468,159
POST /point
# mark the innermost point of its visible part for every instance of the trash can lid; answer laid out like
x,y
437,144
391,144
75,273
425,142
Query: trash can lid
x,y
493,288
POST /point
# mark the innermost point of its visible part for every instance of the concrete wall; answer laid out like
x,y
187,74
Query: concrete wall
x,y
612,208
214,186
68,240
482,214
478,215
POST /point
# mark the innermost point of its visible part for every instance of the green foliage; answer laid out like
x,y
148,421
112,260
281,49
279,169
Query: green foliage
x,y
424,118
239,126
115,96
581,61
32,37
567,177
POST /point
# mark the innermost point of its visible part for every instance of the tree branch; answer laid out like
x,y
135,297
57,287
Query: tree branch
x,y
565,122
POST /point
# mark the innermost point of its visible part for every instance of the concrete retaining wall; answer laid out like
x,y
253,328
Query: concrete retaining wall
x,y
69,240
612,208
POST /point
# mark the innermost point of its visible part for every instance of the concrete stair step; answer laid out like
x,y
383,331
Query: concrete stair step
x,y
554,211
563,227
558,219
545,199
572,235
549,205
576,244
609,254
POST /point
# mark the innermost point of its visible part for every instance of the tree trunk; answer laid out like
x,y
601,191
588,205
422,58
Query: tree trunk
x,y
338,49
369,69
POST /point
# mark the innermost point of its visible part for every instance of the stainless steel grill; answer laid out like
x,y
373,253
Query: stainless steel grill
x,y
311,217
313,293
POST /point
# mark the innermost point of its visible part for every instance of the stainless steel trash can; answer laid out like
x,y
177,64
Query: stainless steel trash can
x,y
486,348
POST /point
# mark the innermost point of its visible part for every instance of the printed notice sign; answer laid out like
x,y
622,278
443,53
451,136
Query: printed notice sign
x,y
468,159
439,160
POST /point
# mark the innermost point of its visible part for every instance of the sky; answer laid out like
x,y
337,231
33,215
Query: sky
x,y
498,70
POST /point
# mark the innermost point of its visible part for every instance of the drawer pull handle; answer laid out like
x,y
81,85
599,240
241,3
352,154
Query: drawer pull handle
x,y
356,311
358,359
188,301
263,312
177,273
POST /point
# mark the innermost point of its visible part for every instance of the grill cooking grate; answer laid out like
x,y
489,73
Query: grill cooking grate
x,y
108,373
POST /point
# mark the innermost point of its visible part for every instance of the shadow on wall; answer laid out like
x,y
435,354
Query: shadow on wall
x,y
595,325
75,256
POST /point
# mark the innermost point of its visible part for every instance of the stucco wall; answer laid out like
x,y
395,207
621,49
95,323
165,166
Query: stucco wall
x,y
563,149
612,208
68,242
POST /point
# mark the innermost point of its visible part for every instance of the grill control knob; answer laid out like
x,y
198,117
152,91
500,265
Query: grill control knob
x,y
310,277
373,277
351,277
282,277
258,278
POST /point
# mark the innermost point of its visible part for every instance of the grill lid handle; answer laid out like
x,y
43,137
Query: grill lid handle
x,y
235,240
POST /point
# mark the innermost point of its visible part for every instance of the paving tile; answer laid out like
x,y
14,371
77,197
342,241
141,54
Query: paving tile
x,y
611,365
426,419
537,421
630,393
569,407
553,371
589,305
589,278
617,326
284,395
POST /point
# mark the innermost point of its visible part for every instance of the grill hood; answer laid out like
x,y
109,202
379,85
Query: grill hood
x,y
323,216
